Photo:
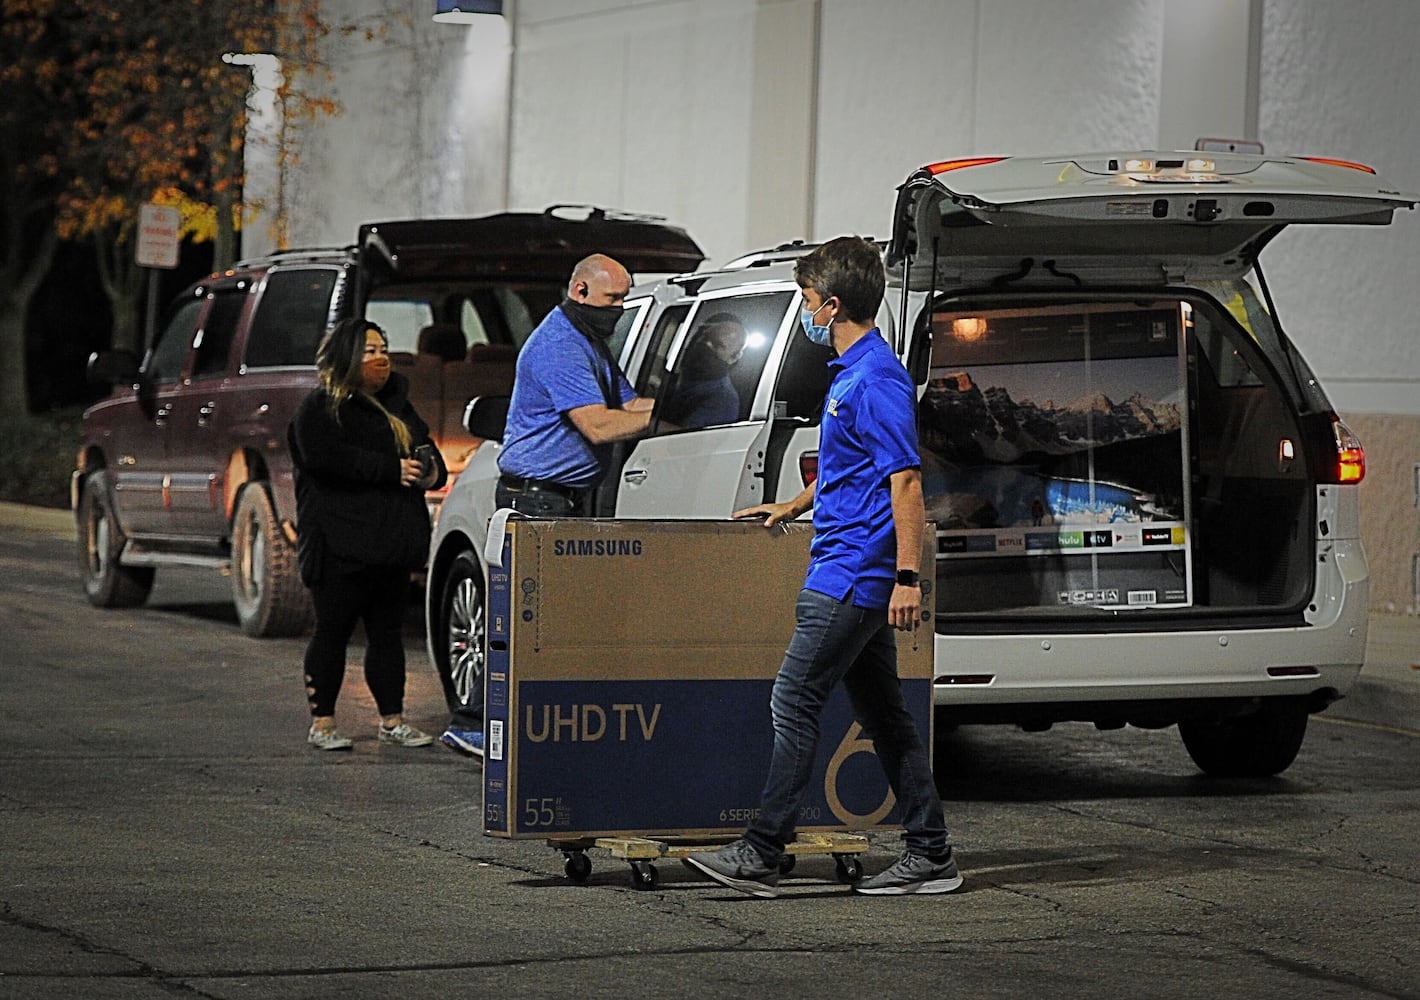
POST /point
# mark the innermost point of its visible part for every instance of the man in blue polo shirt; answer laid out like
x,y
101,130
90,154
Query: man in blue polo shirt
x,y
862,583
570,399
570,403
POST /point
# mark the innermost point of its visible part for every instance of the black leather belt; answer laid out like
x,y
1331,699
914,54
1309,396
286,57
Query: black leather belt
x,y
519,484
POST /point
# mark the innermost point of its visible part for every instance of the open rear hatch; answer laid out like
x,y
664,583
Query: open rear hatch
x,y
520,246
458,297
1140,216
1112,424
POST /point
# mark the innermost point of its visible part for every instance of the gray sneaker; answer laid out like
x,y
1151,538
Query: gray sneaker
x,y
913,873
405,735
738,866
328,739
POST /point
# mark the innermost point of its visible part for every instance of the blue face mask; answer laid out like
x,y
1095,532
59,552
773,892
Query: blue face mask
x,y
821,335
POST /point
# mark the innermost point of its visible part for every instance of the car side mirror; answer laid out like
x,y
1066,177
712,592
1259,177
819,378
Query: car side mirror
x,y
486,417
115,367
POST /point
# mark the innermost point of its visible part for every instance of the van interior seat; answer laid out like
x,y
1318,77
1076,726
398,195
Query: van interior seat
x,y
426,387
494,354
444,340
488,371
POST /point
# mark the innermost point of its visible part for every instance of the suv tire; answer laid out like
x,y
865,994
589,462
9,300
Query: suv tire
x,y
461,638
266,584
1257,745
106,583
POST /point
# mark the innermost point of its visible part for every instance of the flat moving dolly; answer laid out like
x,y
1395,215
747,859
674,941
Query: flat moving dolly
x,y
641,852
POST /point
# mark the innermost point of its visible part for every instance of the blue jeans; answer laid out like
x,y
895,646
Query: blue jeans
x,y
835,641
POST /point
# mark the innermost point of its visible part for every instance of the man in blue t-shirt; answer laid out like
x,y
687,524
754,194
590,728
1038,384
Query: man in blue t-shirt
x,y
862,583
570,402
570,399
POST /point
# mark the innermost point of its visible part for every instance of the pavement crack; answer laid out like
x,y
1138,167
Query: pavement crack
x,y
1319,974
139,970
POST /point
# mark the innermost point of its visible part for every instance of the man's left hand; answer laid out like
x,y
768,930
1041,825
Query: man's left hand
x,y
905,606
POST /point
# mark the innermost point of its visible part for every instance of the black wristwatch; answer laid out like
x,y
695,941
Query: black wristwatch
x,y
907,578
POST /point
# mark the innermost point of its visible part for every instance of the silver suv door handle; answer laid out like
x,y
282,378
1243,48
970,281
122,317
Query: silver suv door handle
x,y
634,476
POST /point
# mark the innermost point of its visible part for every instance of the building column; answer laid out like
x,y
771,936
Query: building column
x,y
1208,86
783,117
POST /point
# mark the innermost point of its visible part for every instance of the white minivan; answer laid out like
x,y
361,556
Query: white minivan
x,y
1145,506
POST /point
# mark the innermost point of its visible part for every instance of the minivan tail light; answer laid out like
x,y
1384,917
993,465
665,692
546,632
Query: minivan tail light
x,y
1350,456
1331,162
808,467
974,161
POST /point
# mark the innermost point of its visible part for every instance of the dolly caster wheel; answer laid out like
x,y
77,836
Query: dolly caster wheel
x,y
577,866
786,864
644,875
850,869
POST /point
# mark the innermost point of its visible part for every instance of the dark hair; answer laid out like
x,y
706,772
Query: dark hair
x,y
849,269
339,360
340,355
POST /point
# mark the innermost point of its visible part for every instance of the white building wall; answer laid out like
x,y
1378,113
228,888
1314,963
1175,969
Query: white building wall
x,y
1208,79
909,82
749,122
754,121
422,129
644,107
1341,80
899,83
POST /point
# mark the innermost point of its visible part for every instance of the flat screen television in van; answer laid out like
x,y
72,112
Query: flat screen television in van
x,y
1055,457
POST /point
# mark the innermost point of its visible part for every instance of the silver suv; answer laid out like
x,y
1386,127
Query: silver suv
x,y
1146,507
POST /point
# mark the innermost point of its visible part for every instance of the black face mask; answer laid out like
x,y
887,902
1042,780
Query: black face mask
x,y
594,321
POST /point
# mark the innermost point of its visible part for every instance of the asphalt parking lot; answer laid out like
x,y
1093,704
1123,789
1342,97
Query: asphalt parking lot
x,y
165,831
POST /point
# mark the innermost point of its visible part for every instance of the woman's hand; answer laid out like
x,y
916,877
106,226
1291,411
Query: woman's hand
x,y
410,471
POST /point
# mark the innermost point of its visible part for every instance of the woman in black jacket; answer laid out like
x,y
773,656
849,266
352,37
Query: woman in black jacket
x,y
363,460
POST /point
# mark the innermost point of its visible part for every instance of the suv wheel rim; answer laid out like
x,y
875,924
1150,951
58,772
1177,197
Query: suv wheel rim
x,y
98,545
253,557
465,638
257,569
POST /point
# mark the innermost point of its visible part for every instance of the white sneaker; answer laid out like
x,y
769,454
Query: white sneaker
x,y
328,739
405,735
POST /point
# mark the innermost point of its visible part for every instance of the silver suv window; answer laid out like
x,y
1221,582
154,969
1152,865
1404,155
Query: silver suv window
x,y
719,366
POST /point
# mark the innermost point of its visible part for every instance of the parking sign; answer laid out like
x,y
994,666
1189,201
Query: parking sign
x,y
158,236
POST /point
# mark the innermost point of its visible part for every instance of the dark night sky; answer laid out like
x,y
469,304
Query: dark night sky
x,y
69,319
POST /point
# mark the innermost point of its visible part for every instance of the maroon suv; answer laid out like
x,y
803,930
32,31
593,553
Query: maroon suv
x,y
186,462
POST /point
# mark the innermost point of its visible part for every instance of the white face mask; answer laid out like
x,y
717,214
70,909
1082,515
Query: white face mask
x,y
821,335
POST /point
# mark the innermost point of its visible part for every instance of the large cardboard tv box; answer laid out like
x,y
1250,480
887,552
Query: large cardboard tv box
x,y
629,672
